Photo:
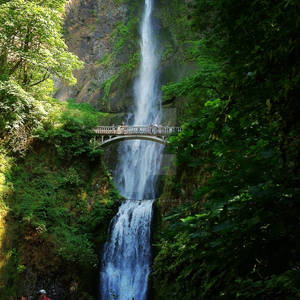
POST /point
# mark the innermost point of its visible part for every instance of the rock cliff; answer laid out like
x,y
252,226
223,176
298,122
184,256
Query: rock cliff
x,y
104,35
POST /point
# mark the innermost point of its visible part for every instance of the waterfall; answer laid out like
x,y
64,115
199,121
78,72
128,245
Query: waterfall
x,y
127,254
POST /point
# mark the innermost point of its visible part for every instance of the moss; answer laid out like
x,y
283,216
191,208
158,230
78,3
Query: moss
x,y
132,64
94,13
168,51
125,69
120,36
105,61
107,86
125,35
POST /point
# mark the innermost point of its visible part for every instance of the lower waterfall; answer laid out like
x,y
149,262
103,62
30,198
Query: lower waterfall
x,y
128,256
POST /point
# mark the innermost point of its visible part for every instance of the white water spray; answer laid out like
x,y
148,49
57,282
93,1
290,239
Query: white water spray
x,y
127,255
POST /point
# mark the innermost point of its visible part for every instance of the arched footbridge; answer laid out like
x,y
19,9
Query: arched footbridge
x,y
110,134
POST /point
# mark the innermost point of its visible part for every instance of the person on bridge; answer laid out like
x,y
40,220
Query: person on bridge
x,y
151,127
160,128
119,129
123,127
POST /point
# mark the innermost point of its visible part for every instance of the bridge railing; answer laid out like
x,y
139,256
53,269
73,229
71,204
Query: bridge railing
x,y
137,130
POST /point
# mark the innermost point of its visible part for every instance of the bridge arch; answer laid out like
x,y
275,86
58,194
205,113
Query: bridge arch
x,y
120,138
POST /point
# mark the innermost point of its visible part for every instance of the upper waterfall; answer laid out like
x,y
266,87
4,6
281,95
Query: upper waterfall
x,y
146,92
140,161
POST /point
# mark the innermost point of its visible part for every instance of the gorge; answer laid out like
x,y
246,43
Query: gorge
x,y
221,196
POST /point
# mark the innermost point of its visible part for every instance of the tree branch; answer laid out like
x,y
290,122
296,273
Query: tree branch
x,y
45,77
15,67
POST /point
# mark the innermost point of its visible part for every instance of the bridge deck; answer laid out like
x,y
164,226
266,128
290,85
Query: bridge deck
x,y
137,130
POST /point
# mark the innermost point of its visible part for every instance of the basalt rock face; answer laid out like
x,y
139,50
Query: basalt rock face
x,y
105,36
96,31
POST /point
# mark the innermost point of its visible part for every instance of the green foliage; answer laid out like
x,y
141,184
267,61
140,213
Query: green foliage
x,y
72,138
15,107
132,63
107,85
239,236
59,211
20,115
233,249
124,43
32,49
76,247
175,18
125,68
122,32
105,61
47,195
32,53
125,35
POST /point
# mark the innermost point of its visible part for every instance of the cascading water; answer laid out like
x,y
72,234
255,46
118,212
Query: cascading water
x,y
126,257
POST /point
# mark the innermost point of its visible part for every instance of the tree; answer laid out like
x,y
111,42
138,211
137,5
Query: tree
x,y
32,49
32,55
239,236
